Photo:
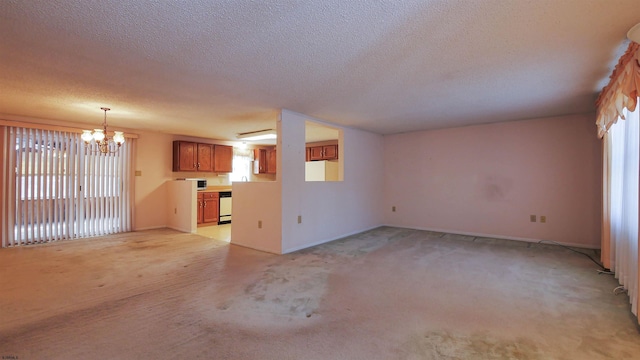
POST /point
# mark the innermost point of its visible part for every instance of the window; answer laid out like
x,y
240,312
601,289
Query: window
x,y
242,164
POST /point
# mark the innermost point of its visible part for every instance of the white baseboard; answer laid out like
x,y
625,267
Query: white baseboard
x,y
254,248
290,250
150,228
457,232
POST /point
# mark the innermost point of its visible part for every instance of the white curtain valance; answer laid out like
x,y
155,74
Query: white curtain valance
x,y
621,92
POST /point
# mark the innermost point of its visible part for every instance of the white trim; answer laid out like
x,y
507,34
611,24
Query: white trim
x,y
158,227
254,248
290,250
515,238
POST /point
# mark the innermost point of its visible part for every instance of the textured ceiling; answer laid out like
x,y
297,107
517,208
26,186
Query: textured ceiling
x,y
217,68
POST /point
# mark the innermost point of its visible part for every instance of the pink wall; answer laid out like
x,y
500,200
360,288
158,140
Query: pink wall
x,y
153,160
329,210
488,179
253,202
182,208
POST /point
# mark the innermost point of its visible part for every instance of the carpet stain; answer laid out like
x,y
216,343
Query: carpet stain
x,y
447,345
285,290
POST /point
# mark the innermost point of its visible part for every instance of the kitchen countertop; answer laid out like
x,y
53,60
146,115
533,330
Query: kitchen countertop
x,y
218,188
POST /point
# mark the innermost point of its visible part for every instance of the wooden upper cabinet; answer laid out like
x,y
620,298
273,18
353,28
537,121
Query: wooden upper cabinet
x,y
324,152
185,156
223,158
191,156
315,153
260,156
205,157
266,161
271,161
330,152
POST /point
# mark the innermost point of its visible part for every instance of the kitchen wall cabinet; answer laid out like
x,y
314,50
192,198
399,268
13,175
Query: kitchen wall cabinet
x,y
265,161
185,156
223,158
271,161
191,156
208,205
205,157
324,152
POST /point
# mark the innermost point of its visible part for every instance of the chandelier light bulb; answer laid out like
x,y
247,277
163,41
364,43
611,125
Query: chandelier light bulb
x,y
98,135
86,136
118,137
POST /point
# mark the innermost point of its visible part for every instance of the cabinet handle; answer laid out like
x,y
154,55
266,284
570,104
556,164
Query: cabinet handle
x,y
205,204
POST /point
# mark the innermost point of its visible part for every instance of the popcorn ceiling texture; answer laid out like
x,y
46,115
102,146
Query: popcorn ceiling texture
x,y
213,69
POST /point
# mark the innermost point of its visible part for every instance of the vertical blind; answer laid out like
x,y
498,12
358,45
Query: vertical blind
x,y
57,188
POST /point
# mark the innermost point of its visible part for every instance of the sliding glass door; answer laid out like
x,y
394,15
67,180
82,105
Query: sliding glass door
x,y
54,187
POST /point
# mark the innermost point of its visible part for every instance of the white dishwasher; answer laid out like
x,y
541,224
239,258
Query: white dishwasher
x,y
225,207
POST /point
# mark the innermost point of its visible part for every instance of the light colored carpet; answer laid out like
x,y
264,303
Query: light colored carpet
x,y
388,293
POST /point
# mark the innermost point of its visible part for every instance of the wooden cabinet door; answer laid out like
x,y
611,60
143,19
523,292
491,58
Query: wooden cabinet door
x,y
205,157
271,161
266,159
223,158
329,152
260,155
315,153
184,156
210,207
200,207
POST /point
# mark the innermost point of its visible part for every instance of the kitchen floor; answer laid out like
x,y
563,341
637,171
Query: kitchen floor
x,y
217,232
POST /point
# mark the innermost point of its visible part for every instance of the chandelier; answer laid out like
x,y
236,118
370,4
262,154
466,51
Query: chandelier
x,y
101,138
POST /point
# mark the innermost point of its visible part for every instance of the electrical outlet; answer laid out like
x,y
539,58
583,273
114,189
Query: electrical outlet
x,y
299,219
259,224
138,172
393,208
532,218
543,218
